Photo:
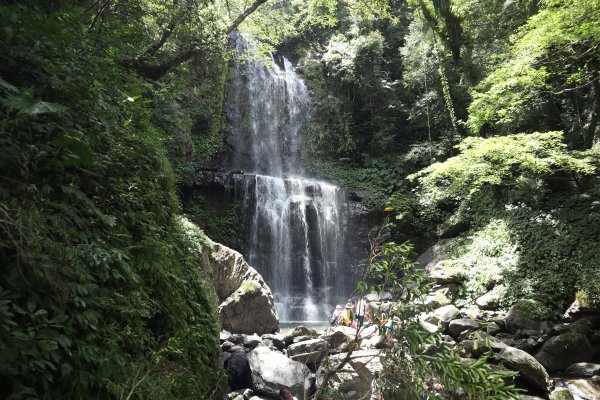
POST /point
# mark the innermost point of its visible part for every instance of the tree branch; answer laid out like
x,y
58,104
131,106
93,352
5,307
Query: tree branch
x,y
156,71
245,14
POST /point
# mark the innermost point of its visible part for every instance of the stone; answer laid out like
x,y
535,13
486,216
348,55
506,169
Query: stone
x,y
492,328
489,301
527,397
584,389
227,345
583,326
276,339
472,348
583,308
456,326
524,315
583,370
307,346
301,338
530,370
365,363
251,341
313,357
428,327
447,271
338,335
442,295
260,398
299,331
238,371
248,393
354,382
271,371
224,336
369,331
560,394
247,304
443,315
563,350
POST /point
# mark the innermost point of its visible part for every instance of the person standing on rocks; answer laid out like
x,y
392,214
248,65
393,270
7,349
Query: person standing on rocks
x,y
361,311
348,314
336,316
285,394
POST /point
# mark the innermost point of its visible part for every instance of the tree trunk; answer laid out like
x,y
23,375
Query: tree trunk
x,y
589,130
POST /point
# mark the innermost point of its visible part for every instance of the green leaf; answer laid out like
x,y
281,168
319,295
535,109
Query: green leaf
x,y
79,152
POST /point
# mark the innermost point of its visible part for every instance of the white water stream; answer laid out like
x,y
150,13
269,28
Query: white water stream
x,y
293,223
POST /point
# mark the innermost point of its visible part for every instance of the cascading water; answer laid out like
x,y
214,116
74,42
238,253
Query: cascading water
x,y
293,223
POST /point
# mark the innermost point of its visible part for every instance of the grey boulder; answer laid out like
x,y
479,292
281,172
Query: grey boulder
x,y
457,326
559,352
530,370
272,371
583,370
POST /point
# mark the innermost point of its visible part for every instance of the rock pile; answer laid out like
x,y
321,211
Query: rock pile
x,y
567,350
259,366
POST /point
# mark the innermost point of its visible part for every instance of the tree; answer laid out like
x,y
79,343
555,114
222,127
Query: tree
x,y
550,75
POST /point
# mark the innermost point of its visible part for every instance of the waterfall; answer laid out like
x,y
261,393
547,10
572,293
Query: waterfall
x,y
293,223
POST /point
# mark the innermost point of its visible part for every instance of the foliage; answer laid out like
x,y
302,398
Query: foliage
x,y
518,193
550,67
499,161
101,294
221,227
379,176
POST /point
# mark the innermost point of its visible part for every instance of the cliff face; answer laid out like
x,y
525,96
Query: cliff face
x,y
217,191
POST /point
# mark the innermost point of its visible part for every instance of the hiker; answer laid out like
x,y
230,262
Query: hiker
x,y
361,311
375,390
348,314
336,316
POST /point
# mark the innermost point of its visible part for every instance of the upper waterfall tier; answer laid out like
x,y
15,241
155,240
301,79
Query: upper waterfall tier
x,y
267,107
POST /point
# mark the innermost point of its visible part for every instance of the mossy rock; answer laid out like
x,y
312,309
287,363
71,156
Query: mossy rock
x,y
448,271
532,309
527,314
250,287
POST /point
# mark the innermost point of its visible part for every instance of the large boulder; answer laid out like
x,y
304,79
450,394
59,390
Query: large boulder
x,y
447,271
271,371
443,315
247,304
238,371
530,370
526,315
457,326
489,301
308,351
561,351
298,332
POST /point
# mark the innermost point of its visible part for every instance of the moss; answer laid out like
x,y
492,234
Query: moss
x,y
250,287
532,309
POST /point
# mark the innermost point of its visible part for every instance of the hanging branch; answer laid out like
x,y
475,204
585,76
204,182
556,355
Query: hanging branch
x,y
155,71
